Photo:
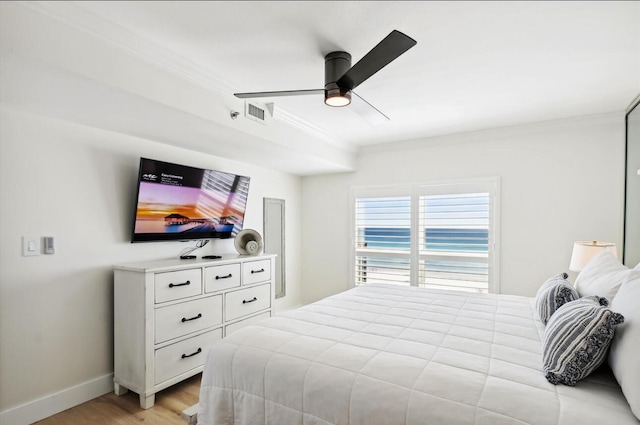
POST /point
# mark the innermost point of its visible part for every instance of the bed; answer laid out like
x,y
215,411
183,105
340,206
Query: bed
x,y
386,354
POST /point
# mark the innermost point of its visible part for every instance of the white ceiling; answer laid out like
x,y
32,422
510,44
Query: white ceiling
x,y
476,65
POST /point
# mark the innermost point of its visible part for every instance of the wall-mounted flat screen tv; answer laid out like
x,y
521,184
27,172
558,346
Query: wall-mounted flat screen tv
x,y
177,202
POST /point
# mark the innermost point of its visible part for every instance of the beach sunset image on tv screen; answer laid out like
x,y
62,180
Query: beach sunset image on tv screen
x,y
180,202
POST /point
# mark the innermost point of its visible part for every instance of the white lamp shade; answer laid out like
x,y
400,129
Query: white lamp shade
x,y
584,251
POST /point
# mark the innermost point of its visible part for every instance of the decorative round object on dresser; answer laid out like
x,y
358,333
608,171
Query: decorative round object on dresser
x,y
248,242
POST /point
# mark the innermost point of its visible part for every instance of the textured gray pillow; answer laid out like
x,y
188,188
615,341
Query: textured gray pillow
x,y
576,339
553,294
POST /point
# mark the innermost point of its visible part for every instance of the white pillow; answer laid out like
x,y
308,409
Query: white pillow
x,y
602,276
625,347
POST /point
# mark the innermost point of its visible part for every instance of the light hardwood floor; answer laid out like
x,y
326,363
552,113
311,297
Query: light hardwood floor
x,y
110,409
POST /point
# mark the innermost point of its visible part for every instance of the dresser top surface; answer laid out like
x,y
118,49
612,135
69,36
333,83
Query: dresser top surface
x,y
179,264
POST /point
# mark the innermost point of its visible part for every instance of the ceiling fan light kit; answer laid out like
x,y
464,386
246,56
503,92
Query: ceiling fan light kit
x,y
340,78
337,97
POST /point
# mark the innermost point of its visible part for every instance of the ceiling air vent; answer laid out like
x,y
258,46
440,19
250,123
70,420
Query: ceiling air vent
x,y
258,112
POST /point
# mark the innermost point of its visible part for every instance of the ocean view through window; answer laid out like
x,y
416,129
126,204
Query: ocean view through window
x,y
436,236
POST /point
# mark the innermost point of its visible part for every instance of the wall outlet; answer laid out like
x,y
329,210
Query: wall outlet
x,y
30,246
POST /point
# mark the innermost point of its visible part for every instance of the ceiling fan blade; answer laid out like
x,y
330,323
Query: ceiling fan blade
x,y
393,45
278,93
367,110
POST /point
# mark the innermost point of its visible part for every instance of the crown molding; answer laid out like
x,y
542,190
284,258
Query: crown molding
x,y
516,130
117,36
294,121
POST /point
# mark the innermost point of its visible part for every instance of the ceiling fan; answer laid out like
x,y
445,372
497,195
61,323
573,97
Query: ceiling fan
x,y
340,78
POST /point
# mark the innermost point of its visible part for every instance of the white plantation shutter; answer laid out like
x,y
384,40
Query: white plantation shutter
x,y
454,244
383,239
435,236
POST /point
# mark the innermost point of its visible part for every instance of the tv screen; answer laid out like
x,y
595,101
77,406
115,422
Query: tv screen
x,y
176,202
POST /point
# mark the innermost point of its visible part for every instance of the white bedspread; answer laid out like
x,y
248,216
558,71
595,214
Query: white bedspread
x,y
381,354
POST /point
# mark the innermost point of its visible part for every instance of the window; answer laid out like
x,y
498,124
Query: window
x,y
432,235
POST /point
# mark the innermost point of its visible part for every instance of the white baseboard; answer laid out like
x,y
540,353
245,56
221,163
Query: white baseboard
x,y
51,404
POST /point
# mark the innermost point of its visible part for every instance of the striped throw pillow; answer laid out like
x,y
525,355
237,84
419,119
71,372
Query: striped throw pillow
x,y
553,294
577,338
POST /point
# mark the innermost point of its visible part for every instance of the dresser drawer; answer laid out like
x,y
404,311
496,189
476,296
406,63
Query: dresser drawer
x,y
217,278
179,284
247,301
183,356
256,271
229,329
187,317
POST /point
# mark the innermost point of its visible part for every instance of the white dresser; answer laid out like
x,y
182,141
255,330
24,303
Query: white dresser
x,y
168,313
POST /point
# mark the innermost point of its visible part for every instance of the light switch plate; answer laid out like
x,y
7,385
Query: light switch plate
x,y
30,246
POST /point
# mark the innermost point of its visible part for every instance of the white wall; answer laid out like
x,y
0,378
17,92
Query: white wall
x,y
78,184
561,181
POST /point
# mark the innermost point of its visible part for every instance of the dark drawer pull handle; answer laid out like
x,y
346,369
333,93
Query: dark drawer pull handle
x,y
171,285
184,319
250,301
224,277
184,356
257,271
